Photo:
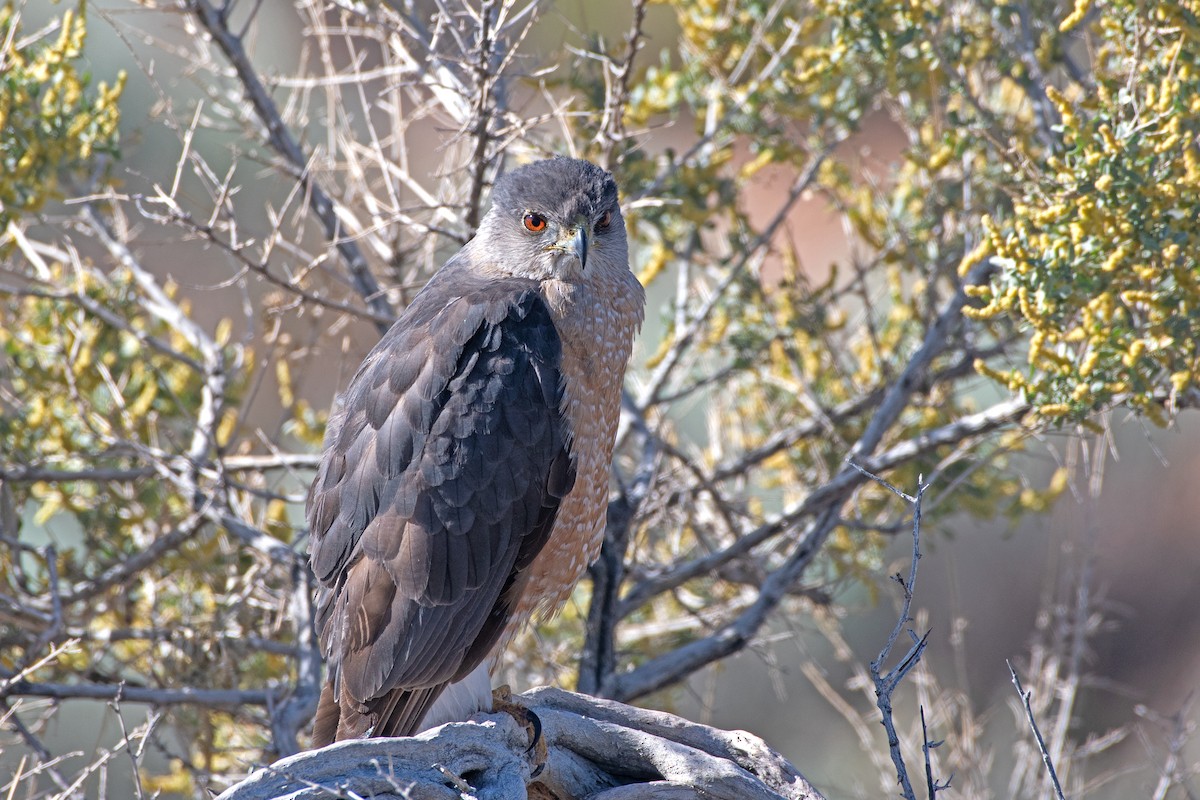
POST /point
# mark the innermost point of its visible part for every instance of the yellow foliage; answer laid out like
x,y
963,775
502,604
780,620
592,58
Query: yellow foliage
x,y
50,124
227,426
177,781
1115,269
656,262
283,375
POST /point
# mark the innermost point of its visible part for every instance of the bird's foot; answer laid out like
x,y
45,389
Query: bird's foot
x,y
502,701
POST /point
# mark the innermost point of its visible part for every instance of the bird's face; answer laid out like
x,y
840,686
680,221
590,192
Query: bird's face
x,y
564,245
557,219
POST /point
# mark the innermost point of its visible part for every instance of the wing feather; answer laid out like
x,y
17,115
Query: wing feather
x,y
444,467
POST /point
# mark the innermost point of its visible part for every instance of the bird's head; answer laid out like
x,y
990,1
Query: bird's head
x,y
555,219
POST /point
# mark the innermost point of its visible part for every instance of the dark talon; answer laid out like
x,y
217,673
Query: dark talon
x,y
537,744
502,701
535,736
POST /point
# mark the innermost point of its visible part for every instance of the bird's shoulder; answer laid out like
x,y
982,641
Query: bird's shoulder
x,y
450,309
481,353
457,315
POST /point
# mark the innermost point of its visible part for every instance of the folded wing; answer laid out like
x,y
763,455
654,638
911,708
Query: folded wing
x,y
443,471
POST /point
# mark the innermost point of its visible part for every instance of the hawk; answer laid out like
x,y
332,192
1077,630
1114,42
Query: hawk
x,y
464,479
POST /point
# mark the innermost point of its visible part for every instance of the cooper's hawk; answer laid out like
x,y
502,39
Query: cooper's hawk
x,y
465,474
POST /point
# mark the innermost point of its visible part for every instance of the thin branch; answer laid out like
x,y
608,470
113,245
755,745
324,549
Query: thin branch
x,y
296,712
127,745
978,424
29,474
1034,80
484,82
11,719
936,341
617,83
281,139
139,694
22,473
886,684
655,387
1178,727
932,787
1037,734
131,566
34,665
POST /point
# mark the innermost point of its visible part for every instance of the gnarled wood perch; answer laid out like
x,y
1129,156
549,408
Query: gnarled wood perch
x,y
598,749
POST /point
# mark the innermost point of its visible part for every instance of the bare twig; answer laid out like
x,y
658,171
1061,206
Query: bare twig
x,y
617,78
1178,727
932,787
47,763
886,684
34,665
296,711
485,80
1037,733
127,744
280,138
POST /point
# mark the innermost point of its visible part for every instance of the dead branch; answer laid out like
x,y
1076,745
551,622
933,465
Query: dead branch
x,y
617,77
597,749
886,684
1026,702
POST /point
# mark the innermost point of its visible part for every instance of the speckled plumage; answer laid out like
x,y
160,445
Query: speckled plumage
x,y
597,332
465,476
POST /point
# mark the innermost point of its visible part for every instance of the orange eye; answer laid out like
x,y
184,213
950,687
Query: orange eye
x,y
604,221
535,223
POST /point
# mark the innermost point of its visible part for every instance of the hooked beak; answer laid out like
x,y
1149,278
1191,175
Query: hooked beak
x,y
575,242
579,244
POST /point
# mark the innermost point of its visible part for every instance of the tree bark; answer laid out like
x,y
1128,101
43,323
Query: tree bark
x,y
597,749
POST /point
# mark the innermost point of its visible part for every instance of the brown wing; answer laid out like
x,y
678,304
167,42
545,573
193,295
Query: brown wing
x,y
441,478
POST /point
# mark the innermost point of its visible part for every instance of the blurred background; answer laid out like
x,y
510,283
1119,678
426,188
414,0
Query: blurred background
x,y
1123,529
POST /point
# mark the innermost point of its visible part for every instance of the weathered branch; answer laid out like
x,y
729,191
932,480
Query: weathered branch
x,y
24,473
296,711
597,749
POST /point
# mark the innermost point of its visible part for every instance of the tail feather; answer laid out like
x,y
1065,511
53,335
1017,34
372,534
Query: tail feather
x,y
325,724
404,709
398,713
